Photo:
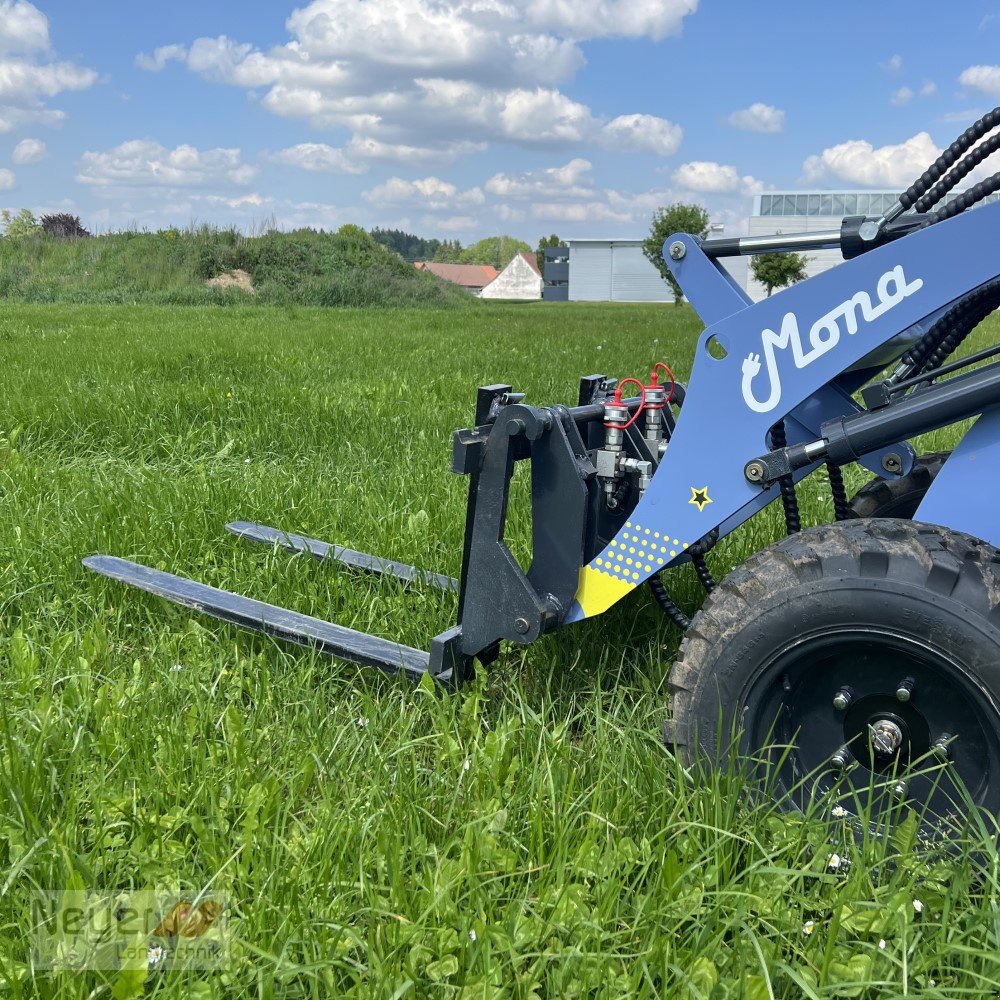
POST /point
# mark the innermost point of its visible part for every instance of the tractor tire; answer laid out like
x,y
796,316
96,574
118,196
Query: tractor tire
x,y
802,650
899,497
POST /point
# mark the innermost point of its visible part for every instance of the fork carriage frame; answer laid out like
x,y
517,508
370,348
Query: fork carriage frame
x,y
813,345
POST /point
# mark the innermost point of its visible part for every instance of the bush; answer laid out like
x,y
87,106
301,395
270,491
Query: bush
x,y
305,267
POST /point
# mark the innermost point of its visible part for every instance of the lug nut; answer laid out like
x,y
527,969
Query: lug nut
x,y
841,758
900,789
941,747
904,690
843,697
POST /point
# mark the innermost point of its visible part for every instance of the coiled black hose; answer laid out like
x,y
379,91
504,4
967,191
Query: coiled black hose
x,y
670,609
975,194
789,501
937,169
957,173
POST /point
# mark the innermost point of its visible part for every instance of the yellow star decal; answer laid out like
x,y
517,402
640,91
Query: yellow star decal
x,y
700,498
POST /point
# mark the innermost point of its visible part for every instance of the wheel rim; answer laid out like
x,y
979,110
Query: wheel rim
x,y
902,707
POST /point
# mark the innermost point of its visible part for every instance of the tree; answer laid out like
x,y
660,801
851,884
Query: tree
x,y
20,225
777,270
547,243
63,226
450,252
676,218
496,250
408,246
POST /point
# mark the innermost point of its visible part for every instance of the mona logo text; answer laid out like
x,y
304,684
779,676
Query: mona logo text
x,y
824,335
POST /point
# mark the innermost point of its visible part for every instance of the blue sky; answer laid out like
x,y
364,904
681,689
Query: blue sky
x,y
463,118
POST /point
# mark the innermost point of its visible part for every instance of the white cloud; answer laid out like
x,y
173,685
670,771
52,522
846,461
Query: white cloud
x,y
964,117
28,74
642,134
429,80
454,223
592,211
429,192
318,157
23,27
903,95
859,162
985,79
707,177
569,181
157,62
7,179
582,19
894,64
29,151
145,163
759,117
364,148
543,115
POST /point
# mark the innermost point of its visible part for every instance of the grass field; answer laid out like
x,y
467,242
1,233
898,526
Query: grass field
x,y
528,837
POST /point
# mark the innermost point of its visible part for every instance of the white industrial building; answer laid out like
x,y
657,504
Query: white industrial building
x,y
617,270
810,212
613,271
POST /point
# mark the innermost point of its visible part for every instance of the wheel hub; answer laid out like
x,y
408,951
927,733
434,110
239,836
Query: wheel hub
x,y
885,736
835,697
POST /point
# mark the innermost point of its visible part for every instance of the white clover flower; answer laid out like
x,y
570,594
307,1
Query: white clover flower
x,y
833,861
839,812
154,956
918,906
246,461
472,935
808,927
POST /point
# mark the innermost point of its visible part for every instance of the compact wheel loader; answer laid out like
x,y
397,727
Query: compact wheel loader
x,y
866,652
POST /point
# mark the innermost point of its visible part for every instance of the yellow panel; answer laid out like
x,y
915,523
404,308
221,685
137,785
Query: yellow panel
x,y
598,591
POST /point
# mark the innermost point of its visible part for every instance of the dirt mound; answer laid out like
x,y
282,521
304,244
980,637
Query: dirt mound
x,y
233,279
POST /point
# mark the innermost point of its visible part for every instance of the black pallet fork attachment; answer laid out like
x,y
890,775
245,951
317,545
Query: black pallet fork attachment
x,y
290,626
498,600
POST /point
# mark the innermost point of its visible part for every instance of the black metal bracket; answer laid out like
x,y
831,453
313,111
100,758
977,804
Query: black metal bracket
x,y
498,599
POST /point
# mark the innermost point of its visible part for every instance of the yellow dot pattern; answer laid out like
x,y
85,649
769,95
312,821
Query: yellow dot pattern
x,y
636,550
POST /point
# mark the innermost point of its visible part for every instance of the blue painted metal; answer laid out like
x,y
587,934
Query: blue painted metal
x,y
710,288
781,352
963,495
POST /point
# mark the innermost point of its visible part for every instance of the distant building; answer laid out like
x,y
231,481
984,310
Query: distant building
x,y
813,211
555,273
519,280
613,271
472,277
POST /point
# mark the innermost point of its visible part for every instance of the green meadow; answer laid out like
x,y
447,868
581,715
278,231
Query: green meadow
x,y
527,837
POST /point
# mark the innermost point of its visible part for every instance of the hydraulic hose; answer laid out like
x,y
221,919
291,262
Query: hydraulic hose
x,y
937,169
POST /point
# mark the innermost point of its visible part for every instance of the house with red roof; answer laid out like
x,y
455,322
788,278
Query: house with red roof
x,y
472,277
